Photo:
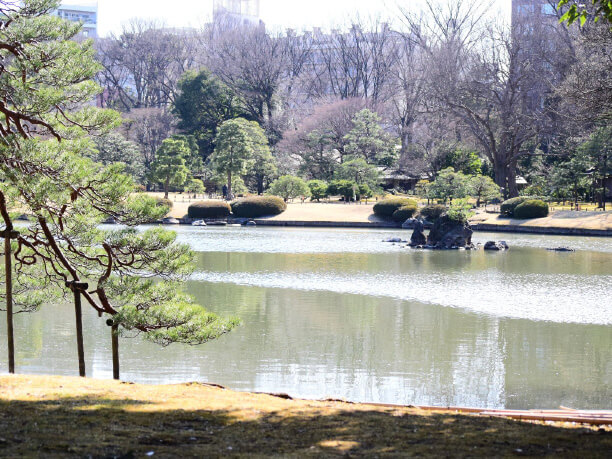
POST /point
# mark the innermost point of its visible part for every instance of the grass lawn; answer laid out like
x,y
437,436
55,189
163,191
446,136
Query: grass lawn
x,y
62,416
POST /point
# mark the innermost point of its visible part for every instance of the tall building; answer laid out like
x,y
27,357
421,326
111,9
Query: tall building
x,y
243,12
87,14
524,9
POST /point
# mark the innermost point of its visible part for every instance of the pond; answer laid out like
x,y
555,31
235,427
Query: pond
x,y
339,313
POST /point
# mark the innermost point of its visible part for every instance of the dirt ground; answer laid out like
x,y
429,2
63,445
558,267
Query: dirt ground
x,y
355,212
50,416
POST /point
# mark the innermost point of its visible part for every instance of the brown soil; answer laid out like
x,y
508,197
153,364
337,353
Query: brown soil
x,y
63,417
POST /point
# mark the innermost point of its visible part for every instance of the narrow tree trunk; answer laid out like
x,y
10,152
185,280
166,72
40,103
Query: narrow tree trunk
x,y
166,188
229,185
9,301
115,347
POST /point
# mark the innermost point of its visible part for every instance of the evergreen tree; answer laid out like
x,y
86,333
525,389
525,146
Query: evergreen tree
x,y
368,140
46,82
170,165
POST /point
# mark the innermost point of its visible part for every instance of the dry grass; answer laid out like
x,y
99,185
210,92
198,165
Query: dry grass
x,y
62,416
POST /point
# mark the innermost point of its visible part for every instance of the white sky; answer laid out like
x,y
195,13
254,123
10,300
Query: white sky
x,y
277,14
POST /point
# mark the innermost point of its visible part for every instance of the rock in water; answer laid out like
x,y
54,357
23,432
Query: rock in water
x,y
418,235
496,246
447,233
409,223
562,249
395,239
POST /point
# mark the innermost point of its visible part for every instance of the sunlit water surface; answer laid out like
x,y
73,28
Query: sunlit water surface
x,y
341,313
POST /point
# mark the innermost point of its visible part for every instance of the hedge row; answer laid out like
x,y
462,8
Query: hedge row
x,y
533,208
387,207
254,207
258,206
209,209
507,207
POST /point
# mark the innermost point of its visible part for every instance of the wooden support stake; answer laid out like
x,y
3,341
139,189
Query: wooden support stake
x,y
8,267
77,288
115,346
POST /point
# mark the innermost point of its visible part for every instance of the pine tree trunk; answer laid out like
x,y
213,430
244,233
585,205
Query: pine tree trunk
x,y
230,195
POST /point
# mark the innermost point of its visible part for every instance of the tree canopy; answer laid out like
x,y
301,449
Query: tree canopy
x,y
133,276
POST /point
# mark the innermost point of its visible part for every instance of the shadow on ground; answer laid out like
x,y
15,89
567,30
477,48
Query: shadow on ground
x,y
103,427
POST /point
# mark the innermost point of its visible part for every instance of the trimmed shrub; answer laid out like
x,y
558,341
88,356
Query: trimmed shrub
x,y
432,212
209,209
387,207
258,206
507,207
534,208
404,213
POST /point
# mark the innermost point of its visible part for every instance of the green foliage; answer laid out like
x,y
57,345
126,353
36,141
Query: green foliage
x,y
237,143
432,212
318,189
465,161
368,140
387,207
165,203
345,188
170,165
365,192
508,206
47,87
405,212
448,185
113,148
262,167
483,188
289,187
460,210
203,103
195,186
258,206
358,171
601,9
533,208
209,209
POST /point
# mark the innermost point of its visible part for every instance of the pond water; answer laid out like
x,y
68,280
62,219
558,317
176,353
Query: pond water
x,y
339,313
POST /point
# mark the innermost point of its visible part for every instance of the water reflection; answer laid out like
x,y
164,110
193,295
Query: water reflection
x,y
369,344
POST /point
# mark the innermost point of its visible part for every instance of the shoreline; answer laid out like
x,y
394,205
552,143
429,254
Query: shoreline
x,y
477,226
123,419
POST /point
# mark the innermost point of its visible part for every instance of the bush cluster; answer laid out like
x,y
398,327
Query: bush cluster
x,y
387,207
432,212
209,209
258,206
404,213
507,207
533,208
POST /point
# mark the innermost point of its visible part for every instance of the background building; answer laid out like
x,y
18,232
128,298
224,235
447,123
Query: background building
x,y
86,13
243,12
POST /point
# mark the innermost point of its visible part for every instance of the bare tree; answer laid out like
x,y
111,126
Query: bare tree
x,y
142,64
250,62
355,63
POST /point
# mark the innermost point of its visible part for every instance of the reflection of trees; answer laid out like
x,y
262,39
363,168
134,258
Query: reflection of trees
x,y
359,347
